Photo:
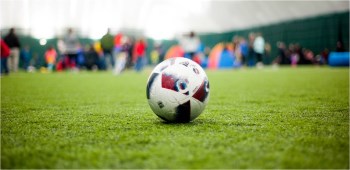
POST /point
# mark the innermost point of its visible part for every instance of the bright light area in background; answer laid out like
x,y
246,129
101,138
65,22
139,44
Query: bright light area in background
x,y
162,23
42,24
45,19
158,19
167,19
42,41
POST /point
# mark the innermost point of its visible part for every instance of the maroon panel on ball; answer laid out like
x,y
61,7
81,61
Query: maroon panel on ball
x,y
202,92
168,82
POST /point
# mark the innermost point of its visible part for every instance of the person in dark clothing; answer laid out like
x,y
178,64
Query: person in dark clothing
x,y
91,57
284,60
131,42
13,43
251,54
299,51
340,47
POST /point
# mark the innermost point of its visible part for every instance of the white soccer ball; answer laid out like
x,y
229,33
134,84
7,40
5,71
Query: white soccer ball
x,y
178,90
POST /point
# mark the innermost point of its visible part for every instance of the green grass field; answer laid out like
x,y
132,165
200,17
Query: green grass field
x,y
285,118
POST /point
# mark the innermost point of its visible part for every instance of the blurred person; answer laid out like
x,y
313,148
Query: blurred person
x,y
237,50
161,52
299,50
117,40
199,57
282,54
324,55
339,46
25,56
118,44
204,63
189,44
71,44
267,53
101,63
107,44
61,46
13,43
155,54
34,62
130,51
259,49
139,54
80,57
38,60
50,58
60,66
5,53
243,45
122,56
251,54
62,58
294,56
91,57
309,56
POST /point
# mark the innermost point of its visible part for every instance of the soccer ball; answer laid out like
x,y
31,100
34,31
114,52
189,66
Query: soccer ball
x,y
178,90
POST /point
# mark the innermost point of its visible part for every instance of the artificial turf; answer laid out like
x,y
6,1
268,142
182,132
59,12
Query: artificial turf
x,y
269,118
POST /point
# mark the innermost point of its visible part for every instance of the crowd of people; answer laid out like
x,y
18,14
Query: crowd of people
x,y
111,52
253,50
295,54
119,52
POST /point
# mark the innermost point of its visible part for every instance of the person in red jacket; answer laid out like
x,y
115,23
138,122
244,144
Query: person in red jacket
x,y
139,54
5,53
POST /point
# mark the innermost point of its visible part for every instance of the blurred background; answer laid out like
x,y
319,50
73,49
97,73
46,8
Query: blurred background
x,y
58,35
